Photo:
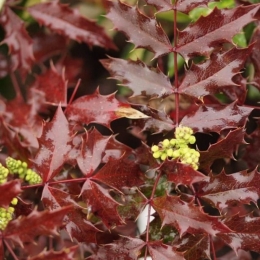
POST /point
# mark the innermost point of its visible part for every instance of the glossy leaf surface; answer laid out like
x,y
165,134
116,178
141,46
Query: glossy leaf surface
x,y
141,30
68,22
186,217
101,203
217,118
10,190
138,77
77,225
95,108
54,146
224,189
214,74
201,37
120,173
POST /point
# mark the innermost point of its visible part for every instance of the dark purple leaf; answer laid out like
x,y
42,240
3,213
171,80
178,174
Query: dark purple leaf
x,y
141,30
217,118
55,144
9,191
141,79
222,189
100,203
186,217
68,22
201,37
214,74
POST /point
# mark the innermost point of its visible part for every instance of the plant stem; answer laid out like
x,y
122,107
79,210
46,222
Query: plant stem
x,y
11,250
17,89
54,182
212,248
73,94
149,212
175,65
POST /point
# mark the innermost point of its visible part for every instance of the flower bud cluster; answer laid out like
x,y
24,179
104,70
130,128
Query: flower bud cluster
x,y
7,214
20,168
3,174
178,148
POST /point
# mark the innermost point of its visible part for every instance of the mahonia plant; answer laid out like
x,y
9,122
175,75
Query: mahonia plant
x,y
158,117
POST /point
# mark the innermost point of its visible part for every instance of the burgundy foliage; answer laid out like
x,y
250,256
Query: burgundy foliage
x,y
91,143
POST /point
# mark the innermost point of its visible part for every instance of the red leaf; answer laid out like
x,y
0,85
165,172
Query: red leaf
x,y
23,119
194,247
222,149
65,254
141,30
76,224
246,233
255,57
201,37
133,203
114,149
214,74
217,118
125,248
17,39
10,190
54,146
160,251
95,108
120,173
184,6
92,149
186,217
53,85
180,173
44,223
252,150
45,45
68,22
100,202
224,189
138,77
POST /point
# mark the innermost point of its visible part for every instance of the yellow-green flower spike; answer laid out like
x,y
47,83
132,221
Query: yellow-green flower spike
x,y
155,148
3,174
14,201
178,147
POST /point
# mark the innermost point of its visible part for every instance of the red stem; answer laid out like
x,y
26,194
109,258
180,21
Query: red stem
x,y
149,212
16,86
54,182
11,250
212,248
73,94
177,102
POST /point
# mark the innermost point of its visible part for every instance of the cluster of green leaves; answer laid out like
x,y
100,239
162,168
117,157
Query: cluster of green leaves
x,y
180,137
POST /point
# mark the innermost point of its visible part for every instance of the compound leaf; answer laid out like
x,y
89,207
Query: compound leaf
x,y
54,146
17,39
138,77
186,217
68,22
201,37
214,74
222,189
141,30
126,248
76,224
246,233
25,229
100,203
120,173
96,108
217,118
